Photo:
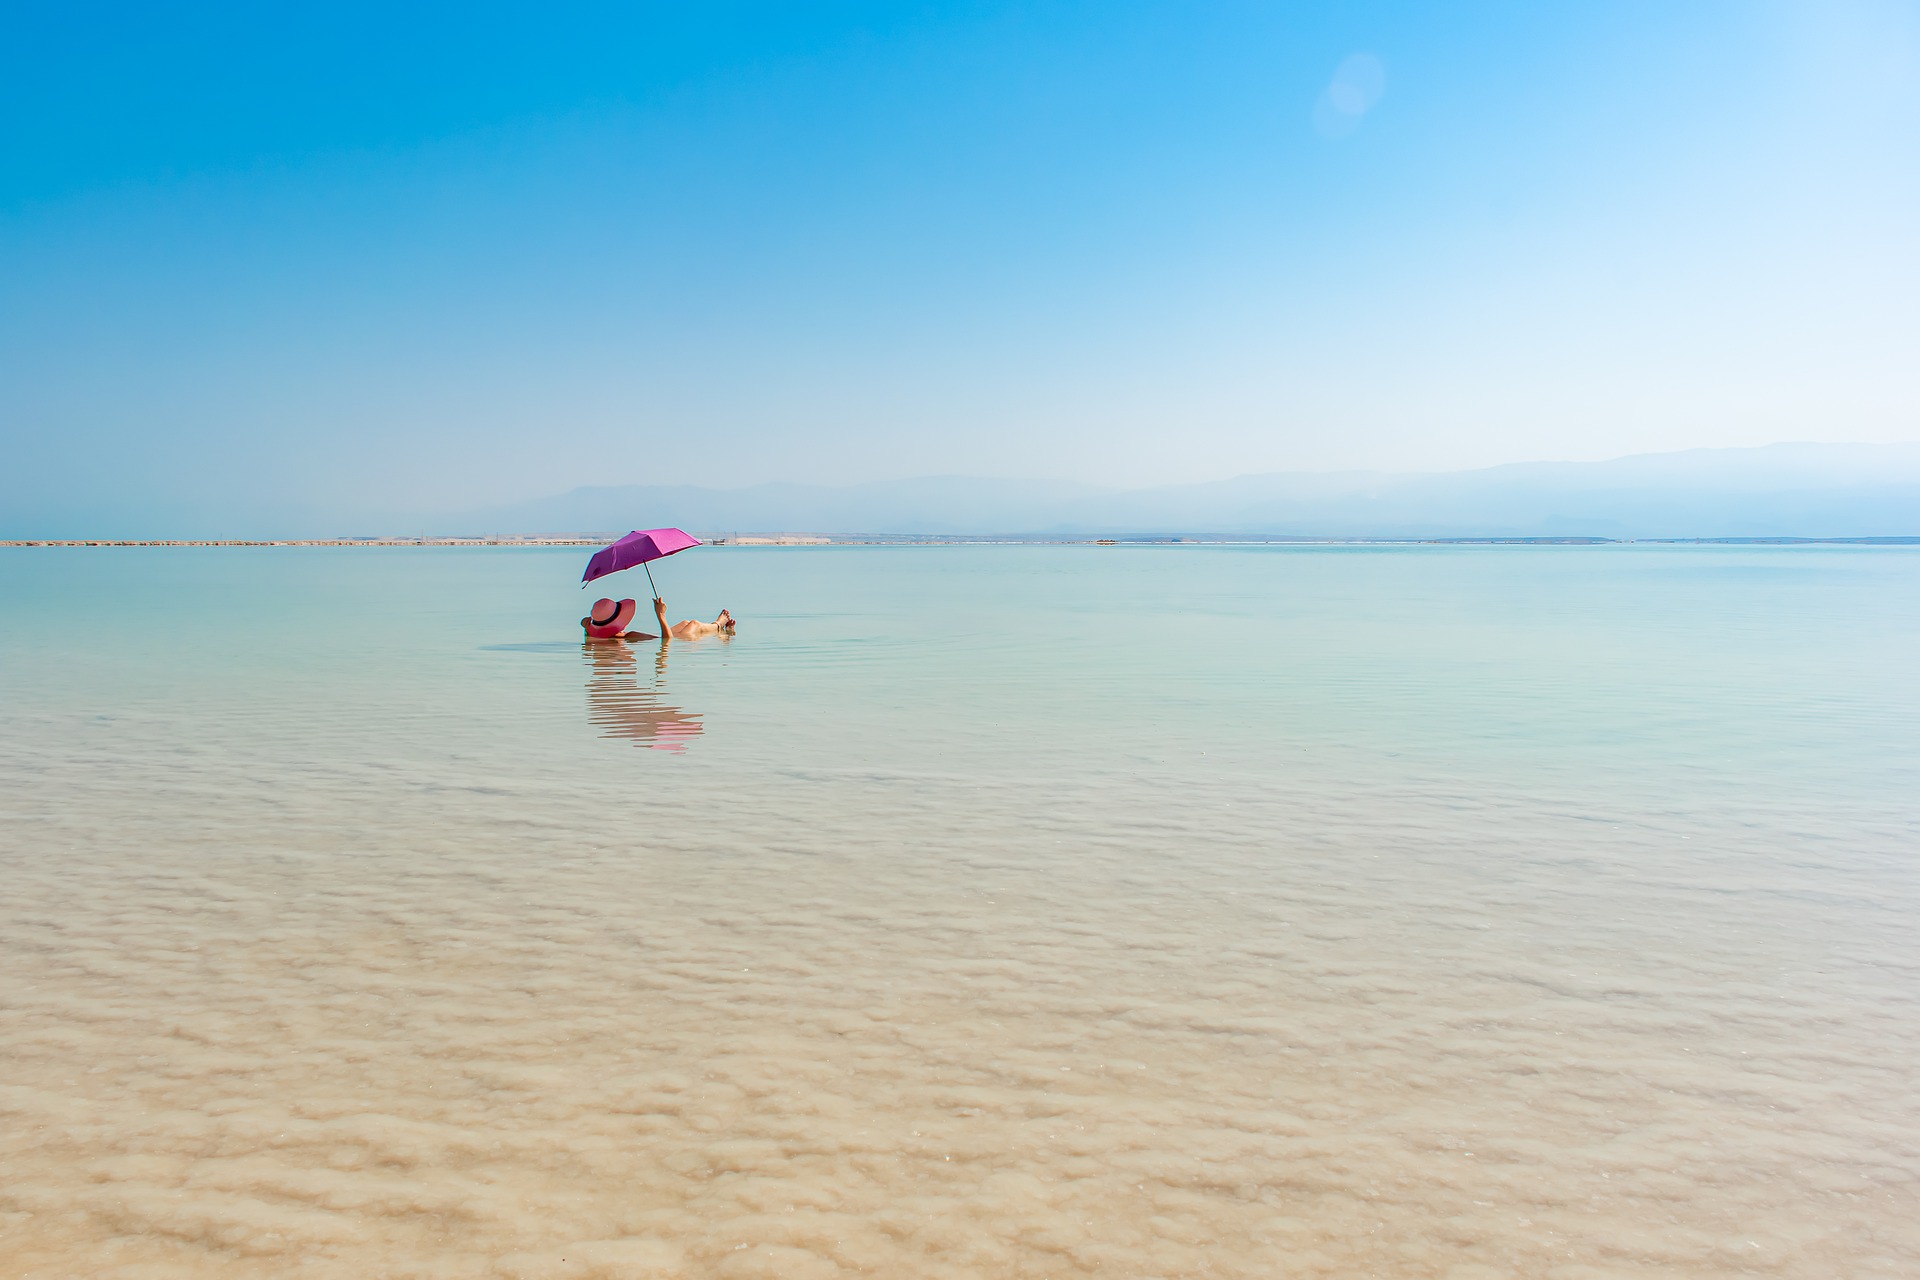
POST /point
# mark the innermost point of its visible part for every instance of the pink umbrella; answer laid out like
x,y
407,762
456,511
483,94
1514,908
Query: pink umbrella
x,y
637,548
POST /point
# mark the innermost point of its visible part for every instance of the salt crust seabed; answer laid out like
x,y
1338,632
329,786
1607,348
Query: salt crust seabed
x,y
894,1025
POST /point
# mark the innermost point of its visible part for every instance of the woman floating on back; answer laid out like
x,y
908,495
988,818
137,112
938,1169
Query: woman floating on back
x,y
609,619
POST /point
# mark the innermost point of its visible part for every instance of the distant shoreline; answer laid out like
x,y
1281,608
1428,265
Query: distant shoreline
x,y
869,540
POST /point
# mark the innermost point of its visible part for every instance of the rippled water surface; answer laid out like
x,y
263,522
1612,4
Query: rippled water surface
x,y
976,912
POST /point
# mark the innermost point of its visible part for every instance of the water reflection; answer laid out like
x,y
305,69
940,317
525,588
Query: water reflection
x,y
622,707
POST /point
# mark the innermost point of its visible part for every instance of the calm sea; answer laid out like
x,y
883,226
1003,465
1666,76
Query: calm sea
x,y
978,911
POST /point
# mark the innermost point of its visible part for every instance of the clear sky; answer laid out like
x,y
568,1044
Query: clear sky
x,y
375,258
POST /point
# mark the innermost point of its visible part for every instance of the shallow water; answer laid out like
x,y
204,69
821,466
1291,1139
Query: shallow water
x,y
977,911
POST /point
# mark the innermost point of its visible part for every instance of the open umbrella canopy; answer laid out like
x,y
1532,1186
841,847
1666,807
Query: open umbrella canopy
x,y
637,548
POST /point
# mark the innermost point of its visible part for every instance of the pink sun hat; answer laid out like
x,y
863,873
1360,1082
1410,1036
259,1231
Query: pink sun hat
x,y
609,617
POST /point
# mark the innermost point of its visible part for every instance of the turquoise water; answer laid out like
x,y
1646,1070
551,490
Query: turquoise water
x,y
977,910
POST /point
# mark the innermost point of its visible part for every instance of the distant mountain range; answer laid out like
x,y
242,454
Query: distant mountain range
x,y
1783,490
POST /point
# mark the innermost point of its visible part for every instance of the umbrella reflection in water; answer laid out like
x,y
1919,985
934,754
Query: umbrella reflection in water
x,y
621,707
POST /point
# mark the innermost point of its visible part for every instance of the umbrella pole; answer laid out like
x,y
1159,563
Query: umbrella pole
x,y
656,590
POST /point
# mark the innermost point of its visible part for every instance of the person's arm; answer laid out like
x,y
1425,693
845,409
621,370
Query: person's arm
x,y
660,612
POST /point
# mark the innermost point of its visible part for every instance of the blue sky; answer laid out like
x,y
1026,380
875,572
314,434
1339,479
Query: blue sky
x,y
365,260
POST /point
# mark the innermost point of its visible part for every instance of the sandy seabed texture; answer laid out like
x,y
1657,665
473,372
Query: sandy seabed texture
x,y
874,1024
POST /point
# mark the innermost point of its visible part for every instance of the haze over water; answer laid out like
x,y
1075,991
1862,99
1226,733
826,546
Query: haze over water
x,y
977,911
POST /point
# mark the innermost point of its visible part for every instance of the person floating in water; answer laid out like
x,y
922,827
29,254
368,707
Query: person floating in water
x,y
609,619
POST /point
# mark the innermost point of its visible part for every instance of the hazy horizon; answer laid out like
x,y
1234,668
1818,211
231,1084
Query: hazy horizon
x,y
1790,489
